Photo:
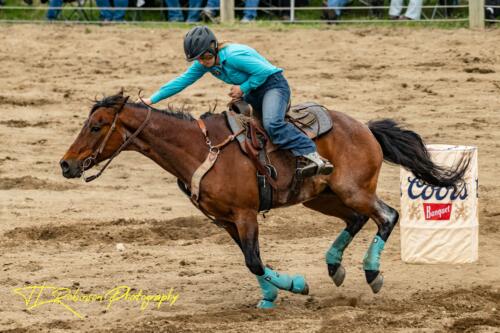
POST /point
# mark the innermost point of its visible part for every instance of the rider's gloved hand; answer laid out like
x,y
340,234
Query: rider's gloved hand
x,y
235,92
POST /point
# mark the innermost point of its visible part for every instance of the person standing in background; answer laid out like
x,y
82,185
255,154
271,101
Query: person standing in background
x,y
331,14
413,11
249,14
108,15
176,15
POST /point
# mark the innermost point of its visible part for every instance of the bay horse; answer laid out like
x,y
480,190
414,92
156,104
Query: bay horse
x,y
229,191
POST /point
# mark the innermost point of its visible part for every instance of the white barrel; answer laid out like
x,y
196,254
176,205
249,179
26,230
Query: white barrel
x,y
437,224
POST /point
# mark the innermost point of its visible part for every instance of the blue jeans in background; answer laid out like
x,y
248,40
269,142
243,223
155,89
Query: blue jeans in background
x,y
112,15
250,14
337,3
175,15
193,14
271,101
212,6
52,14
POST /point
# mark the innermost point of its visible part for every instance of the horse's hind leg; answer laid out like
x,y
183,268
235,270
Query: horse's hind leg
x,y
328,203
386,218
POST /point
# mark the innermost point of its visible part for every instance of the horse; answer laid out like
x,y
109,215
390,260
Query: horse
x,y
228,193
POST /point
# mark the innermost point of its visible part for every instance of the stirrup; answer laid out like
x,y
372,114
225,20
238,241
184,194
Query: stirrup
x,y
312,169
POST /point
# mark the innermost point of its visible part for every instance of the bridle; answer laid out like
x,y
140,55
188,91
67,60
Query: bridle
x,y
92,158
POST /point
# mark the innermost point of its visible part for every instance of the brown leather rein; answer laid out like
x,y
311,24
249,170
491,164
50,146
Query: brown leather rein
x,y
88,161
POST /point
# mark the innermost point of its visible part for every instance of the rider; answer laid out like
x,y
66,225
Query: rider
x,y
254,79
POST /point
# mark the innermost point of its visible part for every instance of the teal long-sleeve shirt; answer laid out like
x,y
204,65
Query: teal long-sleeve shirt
x,y
239,65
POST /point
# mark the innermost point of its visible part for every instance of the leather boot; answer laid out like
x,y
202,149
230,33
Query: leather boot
x,y
313,164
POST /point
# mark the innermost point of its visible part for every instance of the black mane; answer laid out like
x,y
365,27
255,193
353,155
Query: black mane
x,y
106,102
169,111
111,101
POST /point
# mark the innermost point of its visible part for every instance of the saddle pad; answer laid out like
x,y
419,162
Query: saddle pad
x,y
311,117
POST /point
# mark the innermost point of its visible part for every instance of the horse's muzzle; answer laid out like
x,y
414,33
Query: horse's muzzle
x,y
70,168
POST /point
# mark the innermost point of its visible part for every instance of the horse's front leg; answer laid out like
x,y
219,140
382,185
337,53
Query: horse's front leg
x,y
269,280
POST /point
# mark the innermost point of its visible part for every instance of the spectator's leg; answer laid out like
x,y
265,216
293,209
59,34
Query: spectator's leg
x,y
329,14
213,6
52,13
414,9
194,14
337,3
174,15
396,8
119,14
104,14
250,14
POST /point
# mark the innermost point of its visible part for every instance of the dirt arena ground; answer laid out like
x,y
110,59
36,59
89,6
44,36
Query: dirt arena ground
x,y
445,84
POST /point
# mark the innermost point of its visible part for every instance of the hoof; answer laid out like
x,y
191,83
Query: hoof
x,y
299,285
377,284
264,304
305,291
339,276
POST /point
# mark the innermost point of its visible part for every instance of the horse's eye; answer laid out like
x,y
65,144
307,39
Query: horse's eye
x,y
95,129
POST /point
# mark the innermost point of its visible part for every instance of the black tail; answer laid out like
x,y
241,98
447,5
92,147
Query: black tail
x,y
406,148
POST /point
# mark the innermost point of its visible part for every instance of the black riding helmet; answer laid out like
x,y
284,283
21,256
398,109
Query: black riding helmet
x,y
198,41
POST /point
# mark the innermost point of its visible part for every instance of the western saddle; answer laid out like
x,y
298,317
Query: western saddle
x,y
310,118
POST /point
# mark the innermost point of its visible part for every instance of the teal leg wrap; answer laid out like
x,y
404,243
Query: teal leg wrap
x,y
263,304
371,261
334,254
296,283
269,291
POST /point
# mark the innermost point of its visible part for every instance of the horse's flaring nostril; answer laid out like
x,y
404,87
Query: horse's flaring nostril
x,y
64,166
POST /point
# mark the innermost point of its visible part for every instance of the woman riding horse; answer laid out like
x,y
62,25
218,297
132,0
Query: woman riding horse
x,y
229,191
254,79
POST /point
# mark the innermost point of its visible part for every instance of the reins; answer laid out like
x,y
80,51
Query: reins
x,y
200,172
88,161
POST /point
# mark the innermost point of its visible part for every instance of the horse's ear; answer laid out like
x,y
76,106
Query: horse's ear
x,y
122,103
120,93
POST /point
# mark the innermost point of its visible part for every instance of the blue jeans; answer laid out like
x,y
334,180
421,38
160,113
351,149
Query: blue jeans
x,y
112,15
212,6
337,3
193,14
250,14
52,14
271,100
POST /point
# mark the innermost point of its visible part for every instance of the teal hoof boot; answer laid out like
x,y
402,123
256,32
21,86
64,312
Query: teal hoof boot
x,y
339,276
377,284
269,291
299,285
264,304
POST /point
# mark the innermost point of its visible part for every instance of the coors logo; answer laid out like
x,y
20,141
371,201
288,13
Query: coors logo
x,y
417,189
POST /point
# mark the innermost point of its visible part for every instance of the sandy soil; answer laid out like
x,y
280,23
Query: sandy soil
x,y
445,84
